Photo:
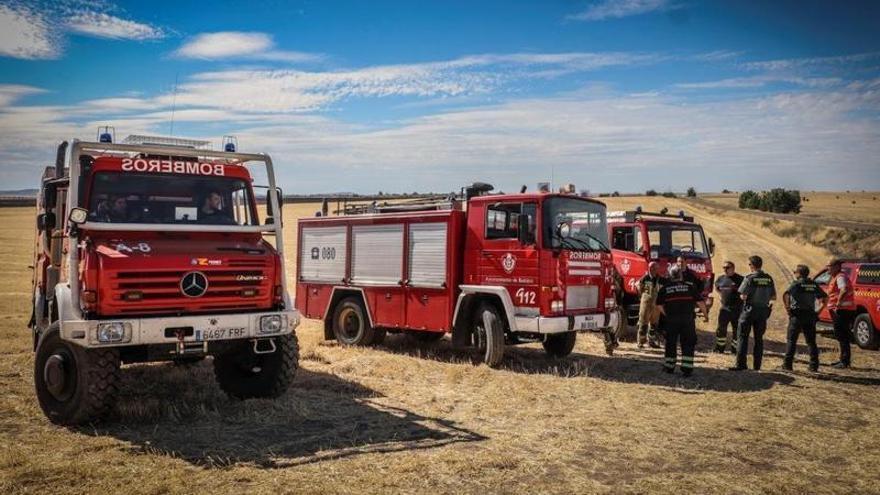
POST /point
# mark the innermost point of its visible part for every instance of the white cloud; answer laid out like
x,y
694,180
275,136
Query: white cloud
x,y
301,91
614,9
103,25
10,93
810,62
816,132
27,34
762,81
236,44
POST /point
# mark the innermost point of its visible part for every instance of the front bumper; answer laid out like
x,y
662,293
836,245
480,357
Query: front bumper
x,y
563,324
196,329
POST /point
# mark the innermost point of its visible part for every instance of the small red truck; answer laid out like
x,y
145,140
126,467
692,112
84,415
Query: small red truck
x,y
507,269
865,277
639,237
152,250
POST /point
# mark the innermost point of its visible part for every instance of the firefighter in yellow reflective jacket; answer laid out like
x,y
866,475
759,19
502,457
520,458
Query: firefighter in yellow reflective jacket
x,y
649,286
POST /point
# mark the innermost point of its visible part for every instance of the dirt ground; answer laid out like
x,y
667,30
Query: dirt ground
x,y
405,418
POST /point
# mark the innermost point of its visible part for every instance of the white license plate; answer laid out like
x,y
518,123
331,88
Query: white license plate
x,y
586,322
220,333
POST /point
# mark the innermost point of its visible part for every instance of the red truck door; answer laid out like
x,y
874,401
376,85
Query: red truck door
x,y
628,244
822,280
504,260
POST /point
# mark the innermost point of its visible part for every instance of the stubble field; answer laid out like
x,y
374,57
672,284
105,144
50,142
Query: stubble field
x,y
405,418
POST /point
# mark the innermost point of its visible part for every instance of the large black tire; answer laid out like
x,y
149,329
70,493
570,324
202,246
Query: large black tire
x,y
350,323
74,385
622,331
378,336
424,337
864,333
559,345
489,334
242,374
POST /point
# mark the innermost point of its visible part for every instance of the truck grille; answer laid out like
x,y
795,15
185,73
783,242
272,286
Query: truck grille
x,y
582,297
240,284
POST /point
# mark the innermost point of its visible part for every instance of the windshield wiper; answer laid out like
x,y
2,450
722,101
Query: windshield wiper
x,y
601,244
564,242
568,242
243,250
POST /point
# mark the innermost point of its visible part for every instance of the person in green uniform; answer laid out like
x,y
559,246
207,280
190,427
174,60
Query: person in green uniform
x,y
800,302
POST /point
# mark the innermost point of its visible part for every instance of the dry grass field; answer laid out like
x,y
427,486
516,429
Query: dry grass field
x,y
857,206
404,418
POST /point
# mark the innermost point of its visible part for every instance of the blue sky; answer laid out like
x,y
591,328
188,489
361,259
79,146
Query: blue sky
x,y
399,96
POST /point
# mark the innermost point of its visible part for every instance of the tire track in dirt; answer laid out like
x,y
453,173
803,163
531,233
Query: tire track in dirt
x,y
763,247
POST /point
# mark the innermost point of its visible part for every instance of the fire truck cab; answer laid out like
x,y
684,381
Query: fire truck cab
x,y
153,250
639,237
491,270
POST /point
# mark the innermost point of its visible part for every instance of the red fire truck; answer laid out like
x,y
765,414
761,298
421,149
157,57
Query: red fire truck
x,y
153,250
507,269
865,277
639,237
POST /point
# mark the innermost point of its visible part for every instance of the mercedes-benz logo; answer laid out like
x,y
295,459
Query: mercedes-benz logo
x,y
194,284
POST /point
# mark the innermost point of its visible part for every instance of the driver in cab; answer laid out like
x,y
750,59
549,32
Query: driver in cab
x,y
114,210
211,212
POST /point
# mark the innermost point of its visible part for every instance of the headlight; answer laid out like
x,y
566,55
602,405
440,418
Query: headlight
x,y
113,331
271,324
557,306
610,303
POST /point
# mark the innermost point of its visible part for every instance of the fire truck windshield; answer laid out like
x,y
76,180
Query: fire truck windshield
x,y
167,199
670,240
573,223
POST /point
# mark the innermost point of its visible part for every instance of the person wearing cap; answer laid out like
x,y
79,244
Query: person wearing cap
x,y
841,305
758,291
648,286
727,286
800,304
677,300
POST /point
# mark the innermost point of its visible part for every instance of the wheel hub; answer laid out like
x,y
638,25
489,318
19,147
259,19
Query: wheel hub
x,y
55,374
862,332
351,324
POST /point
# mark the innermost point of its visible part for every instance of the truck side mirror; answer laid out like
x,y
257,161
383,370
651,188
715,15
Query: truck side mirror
x,y
525,235
711,247
45,221
279,196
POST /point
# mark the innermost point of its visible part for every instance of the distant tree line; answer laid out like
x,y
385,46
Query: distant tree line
x,y
776,200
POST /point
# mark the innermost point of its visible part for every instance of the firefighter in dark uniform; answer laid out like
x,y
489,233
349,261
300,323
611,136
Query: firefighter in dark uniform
x,y
677,300
758,291
800,303
727,286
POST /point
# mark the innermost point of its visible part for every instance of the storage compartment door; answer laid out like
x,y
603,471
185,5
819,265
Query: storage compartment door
x,y
427,302
377,255
322,257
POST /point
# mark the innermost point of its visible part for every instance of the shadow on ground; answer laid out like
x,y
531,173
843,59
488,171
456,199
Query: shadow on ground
x,y
630,366
321,417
